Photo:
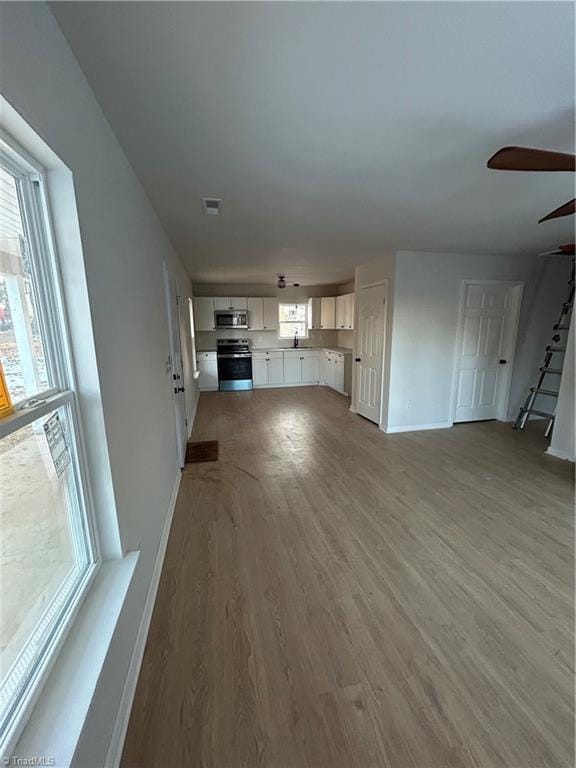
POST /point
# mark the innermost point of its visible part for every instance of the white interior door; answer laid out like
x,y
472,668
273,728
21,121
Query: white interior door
x,y
177,382
369,351
487,341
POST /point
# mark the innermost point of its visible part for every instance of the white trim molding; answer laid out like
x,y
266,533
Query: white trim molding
x,y
558,454
56,723
416,427
114,754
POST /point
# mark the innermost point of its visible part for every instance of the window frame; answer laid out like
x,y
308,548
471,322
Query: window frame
x,y
52,319
294,322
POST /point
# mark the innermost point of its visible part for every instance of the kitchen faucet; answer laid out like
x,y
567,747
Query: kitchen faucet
x,y
295,339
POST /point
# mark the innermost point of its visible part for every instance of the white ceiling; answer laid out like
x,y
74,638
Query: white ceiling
x,y
333,131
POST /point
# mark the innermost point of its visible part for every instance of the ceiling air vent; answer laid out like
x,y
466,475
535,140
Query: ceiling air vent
x,y
211,206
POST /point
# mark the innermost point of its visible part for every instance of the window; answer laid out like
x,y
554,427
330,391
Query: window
x,y
293,319
47,548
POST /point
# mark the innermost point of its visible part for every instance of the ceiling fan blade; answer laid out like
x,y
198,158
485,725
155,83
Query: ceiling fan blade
x,y
526,159
562,250
564,210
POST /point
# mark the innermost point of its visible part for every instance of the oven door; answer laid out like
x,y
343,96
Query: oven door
x,y
234,371
230,319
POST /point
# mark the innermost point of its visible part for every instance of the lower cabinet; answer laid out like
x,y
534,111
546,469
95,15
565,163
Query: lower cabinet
x,y
208,369
267,369
301,366
289,368
336,371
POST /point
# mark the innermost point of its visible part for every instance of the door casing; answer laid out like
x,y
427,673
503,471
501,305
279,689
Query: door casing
x,y
176,364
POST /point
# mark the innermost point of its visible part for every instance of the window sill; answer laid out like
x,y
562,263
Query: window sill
x,y
55,726
25,415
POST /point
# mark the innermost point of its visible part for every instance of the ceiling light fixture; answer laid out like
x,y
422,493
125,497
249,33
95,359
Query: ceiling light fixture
x,y
281,281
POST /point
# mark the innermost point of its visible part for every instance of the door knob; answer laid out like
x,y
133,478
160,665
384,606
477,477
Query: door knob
x,y
502,362
358,360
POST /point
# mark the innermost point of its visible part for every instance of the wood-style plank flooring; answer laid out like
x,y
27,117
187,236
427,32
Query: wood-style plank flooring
x,y
336,597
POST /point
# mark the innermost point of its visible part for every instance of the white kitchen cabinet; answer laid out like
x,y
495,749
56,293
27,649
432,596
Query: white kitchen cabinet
x,y
292,368
341,307
267,369
327,373
328,312
276,369
255,314
270,314
349,315
259,371
203,313
230,302
208,369
314,313
345,312
336,371
339,373
301,366
310,368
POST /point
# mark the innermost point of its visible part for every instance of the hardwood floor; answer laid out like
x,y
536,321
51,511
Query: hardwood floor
x,y
334,596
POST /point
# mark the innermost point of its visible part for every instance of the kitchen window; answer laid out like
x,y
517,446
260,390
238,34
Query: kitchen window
x,y
48,550
293,318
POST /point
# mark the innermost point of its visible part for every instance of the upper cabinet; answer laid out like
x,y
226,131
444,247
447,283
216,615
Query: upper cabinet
x,y
256,314
328,312
270,314
350,310
203,313
345,312
340,312
324,313
314,314
230,302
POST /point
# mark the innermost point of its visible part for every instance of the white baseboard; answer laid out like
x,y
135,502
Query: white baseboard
x,y
417,427
123,716
560,454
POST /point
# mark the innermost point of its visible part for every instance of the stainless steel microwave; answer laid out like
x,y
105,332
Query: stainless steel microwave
x,y
231,318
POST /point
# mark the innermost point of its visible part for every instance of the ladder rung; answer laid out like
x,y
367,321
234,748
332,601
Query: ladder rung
x,y
538,413
540,391
559,327
555,349
550,370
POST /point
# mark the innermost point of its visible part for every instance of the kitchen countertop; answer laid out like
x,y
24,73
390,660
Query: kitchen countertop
x,y
341,350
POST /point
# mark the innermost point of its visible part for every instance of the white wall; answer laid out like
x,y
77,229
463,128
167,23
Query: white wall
x,y
124,248
426,305
562,442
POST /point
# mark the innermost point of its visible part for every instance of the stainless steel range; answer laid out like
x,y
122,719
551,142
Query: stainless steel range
x,y
234,364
